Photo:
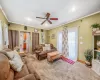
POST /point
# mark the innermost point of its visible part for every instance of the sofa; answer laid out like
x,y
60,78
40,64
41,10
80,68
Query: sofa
x,y
40,54
7,73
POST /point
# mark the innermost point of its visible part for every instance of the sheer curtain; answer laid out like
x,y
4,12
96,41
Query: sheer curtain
x,y
1,37
59,42
5,31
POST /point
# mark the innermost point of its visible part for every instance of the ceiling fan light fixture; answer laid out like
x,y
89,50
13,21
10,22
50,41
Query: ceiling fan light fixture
x,y
73,9
46,24
28,19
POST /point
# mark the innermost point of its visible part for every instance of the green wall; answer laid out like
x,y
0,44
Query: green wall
x,y
84,31
2,18
19,28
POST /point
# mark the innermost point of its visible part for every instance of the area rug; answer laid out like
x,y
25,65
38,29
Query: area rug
x,y
61,70
67,60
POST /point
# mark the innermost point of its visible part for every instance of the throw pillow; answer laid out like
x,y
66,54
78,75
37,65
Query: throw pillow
x,y
44,48
47,46
16,62
10,54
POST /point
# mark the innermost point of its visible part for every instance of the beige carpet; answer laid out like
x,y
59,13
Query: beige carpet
x,y
60,70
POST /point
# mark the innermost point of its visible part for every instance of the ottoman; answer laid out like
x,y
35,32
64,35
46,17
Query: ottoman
x,y
53,56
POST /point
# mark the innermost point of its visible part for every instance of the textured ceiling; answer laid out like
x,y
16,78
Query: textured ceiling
x,y
25,11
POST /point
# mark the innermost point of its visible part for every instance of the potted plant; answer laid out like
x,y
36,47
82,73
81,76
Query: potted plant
x,y
95,27
88,55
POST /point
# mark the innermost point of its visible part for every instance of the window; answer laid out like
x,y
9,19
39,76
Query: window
x,y
6,42
1,41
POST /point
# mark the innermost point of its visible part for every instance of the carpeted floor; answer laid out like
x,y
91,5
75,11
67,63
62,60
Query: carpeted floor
x,y
60,70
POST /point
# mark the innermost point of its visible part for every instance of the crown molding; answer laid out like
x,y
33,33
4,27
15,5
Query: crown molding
x,y
75,20
62,23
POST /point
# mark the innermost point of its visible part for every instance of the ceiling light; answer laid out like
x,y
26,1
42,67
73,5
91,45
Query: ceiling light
x,y
46,24
73,9
28,19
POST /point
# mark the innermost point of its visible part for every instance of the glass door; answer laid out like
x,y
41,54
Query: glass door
x,y
59,42
73,43
25,41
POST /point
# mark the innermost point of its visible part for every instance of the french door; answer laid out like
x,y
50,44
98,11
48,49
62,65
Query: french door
x,y
59,42
73,43
25,41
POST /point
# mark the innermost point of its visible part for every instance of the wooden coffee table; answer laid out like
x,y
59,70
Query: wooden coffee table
x,y
53,56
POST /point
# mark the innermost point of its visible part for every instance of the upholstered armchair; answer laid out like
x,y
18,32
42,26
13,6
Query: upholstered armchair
x,y
40,53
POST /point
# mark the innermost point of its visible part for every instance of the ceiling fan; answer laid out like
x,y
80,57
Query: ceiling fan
x,y
47,18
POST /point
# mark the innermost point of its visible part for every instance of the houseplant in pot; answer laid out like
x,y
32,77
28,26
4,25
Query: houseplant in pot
x,y
95,27
88,56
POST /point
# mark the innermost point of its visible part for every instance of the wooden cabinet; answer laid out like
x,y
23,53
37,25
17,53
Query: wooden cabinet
x,y
96,54
96,66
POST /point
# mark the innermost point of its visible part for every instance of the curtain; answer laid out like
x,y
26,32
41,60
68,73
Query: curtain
x,y
35,40
1,37
65,41
13,36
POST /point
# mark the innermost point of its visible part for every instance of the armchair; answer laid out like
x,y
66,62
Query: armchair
x,y
40,54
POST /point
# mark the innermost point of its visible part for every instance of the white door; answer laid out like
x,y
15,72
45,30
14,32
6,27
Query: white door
x,y
27,41
73,43
59,42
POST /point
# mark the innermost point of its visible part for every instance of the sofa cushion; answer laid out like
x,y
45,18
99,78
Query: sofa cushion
x,y
28,77
4,67
16,63
22,54
32,71
22,73
11,75
48,47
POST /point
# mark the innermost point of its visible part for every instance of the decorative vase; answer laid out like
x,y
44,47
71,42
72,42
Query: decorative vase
x,y
94,29
87,63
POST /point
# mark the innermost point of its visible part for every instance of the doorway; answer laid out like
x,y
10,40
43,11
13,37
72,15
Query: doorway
x,y
25,39
73,43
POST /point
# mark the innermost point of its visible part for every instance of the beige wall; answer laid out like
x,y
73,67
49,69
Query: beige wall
x,y
3,21
29,29
84,31
2,18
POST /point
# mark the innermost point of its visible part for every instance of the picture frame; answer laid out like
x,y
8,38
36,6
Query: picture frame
x,y
53,36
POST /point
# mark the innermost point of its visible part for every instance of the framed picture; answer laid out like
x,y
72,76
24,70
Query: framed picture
x,y
35,30
53,36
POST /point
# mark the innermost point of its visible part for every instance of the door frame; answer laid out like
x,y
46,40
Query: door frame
x,y
77,40
30,39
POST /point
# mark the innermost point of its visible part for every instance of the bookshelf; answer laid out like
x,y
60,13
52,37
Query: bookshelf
x,y
96,54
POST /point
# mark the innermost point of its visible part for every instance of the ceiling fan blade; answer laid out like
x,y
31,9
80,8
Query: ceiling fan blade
x,y
49,21
40,17
53,18
48,15
43,22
